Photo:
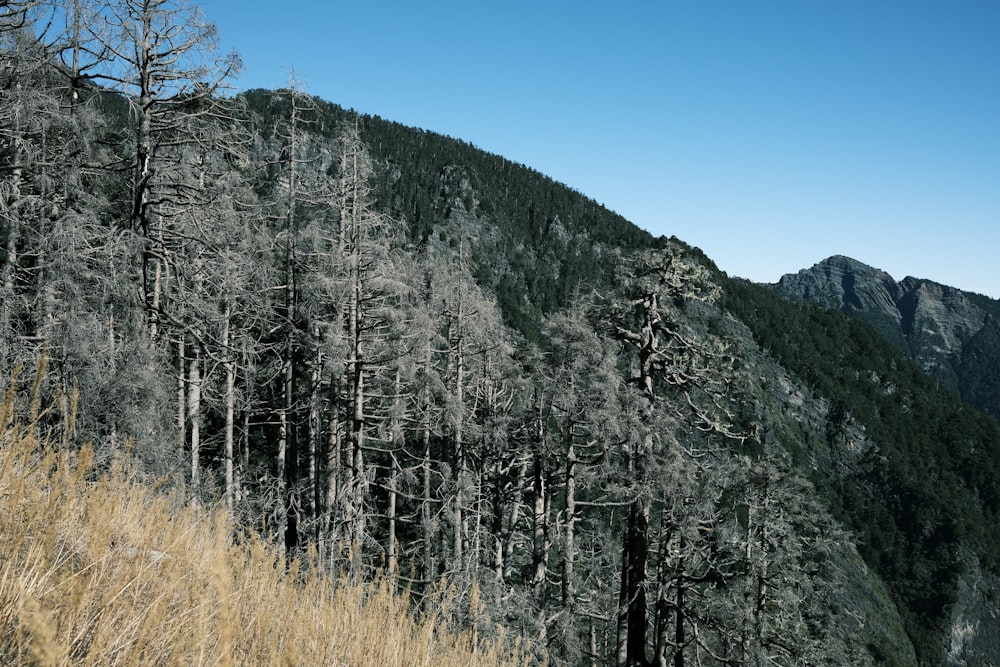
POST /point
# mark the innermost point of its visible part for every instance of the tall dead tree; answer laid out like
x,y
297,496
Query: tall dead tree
x,y
158,61
579,389
370,285
666,360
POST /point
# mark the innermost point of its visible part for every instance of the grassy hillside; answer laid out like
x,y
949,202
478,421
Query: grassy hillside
x,y
330,338
99,568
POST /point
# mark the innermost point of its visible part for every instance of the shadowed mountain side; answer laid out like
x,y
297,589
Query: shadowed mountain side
x,y
949,332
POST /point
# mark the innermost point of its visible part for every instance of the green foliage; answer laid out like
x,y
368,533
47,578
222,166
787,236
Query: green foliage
x,y
540,240
928,490
374,392
979,368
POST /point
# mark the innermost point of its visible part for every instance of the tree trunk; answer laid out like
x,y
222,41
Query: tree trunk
x,y
230,409
12,216
392,557
592,631
194,416
632,613
291,464
426,510
315,435
762,574
515,517
287,446
357,394
569,557
539,555
680,620
632,609
395,473
181,396
333,475
458,443
141,212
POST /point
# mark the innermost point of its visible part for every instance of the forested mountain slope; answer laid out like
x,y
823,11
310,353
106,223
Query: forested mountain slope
x,y
399,358
536,242
921,561
952,334
916,478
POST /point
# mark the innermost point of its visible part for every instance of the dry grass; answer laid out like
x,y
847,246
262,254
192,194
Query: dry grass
x,y
99,569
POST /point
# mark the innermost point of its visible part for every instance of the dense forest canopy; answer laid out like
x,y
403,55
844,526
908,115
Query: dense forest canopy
x,y
394,355
929,493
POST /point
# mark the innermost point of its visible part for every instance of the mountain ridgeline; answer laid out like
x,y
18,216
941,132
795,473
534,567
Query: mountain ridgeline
x,y
537,241
953,335
408,363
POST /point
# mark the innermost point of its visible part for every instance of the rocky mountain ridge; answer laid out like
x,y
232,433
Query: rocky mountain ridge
x,y
948,331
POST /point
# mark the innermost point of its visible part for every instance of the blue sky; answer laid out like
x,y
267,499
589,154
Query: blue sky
x,y
771,134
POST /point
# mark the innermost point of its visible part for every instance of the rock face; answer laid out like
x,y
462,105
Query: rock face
x,y
955,337
940,327
937,321
845,284
974,636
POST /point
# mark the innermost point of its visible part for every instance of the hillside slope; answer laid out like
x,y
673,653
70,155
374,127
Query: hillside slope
x,y
405,360
535,242
825,434
917,473
102,568
952,334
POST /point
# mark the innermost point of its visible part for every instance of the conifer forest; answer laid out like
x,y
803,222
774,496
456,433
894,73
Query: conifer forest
x,y
404,362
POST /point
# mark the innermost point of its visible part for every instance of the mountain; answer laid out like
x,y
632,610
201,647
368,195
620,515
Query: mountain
x,y
535,241
401,360
834,412
953,335
902,460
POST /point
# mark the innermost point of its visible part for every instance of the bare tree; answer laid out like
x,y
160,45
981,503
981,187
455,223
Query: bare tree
x,y
669,367
165,64
353,301
579,387
49,200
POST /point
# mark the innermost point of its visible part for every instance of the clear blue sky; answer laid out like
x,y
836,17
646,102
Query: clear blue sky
x,y
771,134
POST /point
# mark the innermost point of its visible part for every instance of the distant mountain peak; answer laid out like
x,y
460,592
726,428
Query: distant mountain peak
x,y
933,323
844,260
842,283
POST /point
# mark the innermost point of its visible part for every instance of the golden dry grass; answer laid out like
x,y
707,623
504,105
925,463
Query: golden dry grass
x,y
100,569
